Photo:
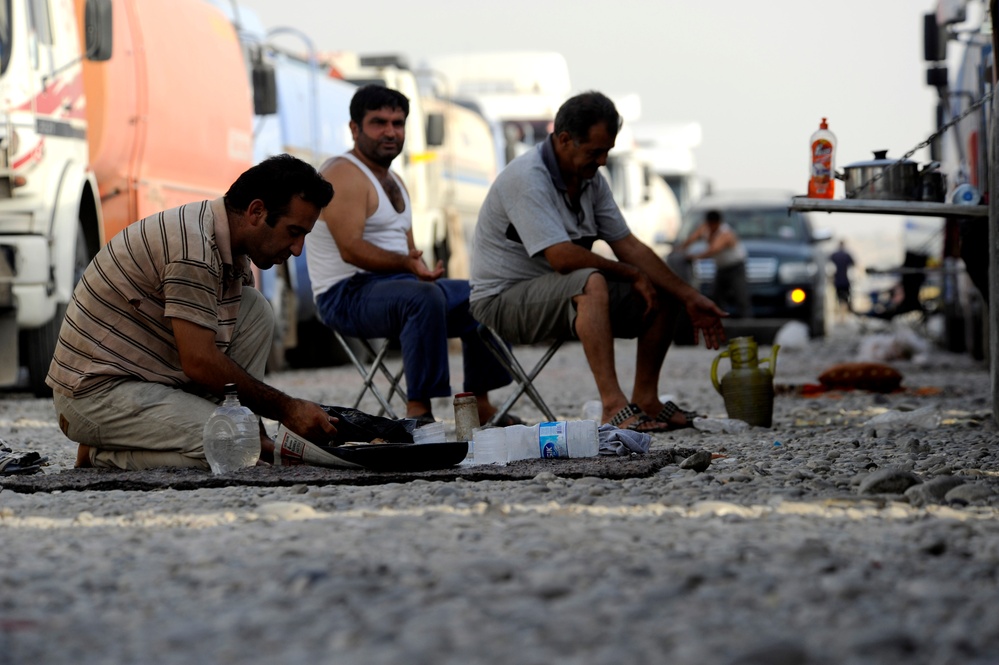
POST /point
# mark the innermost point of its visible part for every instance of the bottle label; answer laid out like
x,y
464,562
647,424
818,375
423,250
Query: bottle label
x,y
822,154
552,439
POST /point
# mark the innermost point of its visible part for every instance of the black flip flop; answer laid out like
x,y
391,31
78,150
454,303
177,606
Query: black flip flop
x,y
642,419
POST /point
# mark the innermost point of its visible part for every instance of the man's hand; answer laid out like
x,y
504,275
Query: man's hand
x,y
420,269
705,316
647,290
309,420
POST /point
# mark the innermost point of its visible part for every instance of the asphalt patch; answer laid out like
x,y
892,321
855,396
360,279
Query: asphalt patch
x,y
79,480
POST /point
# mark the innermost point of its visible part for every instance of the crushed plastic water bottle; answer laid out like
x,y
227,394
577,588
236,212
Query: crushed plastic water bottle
x,y
924,418
593,410
720,425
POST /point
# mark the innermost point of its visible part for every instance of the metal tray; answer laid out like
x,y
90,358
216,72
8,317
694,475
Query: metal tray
x,y
403,456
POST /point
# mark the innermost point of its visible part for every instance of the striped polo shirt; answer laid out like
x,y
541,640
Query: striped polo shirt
x,y
174,264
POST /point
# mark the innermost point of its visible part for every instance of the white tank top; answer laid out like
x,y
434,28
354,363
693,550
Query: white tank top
x,y
385,228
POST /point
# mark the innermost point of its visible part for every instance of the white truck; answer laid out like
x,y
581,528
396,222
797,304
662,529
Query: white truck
x,y
959,49
49,216
669,149
521,92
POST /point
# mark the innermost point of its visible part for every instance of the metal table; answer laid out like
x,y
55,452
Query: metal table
x,y
877,207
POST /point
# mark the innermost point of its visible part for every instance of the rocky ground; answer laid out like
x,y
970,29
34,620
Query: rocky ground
x,y
824,539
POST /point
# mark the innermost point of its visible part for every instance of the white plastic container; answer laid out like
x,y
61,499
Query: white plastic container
x,y
430,433
232,435
560,439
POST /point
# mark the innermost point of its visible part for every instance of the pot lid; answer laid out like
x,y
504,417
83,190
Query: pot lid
x,y
880,159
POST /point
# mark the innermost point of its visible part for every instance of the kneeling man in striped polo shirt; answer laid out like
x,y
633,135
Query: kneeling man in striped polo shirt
x,y
166,315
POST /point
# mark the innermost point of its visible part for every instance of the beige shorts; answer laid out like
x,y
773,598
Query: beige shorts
x,y
540,309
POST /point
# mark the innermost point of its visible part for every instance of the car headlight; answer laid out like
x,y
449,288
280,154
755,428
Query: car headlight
x,y
797,271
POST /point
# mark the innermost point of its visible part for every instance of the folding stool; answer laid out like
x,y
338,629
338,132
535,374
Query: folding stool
x,y
371,371
523,379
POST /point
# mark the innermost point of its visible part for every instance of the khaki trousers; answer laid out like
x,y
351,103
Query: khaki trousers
x,y
139,425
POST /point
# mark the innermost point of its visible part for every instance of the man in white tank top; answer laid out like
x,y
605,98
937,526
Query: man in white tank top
x,y
731,290
370,281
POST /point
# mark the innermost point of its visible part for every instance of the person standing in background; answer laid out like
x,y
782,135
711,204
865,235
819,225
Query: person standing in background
x,y
843,261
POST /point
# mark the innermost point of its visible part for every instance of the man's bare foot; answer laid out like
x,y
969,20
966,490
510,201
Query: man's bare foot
x,y
83,457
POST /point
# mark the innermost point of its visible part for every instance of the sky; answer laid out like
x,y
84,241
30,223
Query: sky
x,y
757,76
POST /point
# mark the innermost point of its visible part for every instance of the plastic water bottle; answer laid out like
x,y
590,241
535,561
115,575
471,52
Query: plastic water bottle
x,y
232,435
561,439
489,445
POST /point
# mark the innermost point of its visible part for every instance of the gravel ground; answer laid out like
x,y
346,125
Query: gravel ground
x,y
821,540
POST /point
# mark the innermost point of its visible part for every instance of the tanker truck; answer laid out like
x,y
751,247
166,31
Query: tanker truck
x,y
103,120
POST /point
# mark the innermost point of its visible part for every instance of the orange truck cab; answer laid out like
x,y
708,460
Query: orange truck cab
x,y
106,116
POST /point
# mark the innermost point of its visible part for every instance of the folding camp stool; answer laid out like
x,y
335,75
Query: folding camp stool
x,y
370,372
523,379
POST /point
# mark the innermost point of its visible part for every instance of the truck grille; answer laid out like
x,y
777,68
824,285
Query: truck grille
x,y
759,270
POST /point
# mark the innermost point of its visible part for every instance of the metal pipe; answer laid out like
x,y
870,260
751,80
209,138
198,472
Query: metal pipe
x,y
313,85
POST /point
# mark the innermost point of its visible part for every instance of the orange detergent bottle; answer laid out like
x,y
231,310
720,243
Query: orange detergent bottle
x,y
823,148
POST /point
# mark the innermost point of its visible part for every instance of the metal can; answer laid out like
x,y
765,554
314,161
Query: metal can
x,y
466,416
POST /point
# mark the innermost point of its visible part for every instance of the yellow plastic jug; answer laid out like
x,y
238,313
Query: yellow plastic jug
x,y
748,388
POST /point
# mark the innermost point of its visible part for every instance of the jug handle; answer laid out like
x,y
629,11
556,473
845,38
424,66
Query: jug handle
x,y
772,360
714,369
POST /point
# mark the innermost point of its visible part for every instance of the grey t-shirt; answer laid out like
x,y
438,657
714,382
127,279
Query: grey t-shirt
x,y
527,211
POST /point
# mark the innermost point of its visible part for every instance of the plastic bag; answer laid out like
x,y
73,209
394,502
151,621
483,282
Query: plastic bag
x,y
357,425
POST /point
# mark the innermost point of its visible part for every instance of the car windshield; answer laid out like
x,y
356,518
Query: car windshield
x,y
753,223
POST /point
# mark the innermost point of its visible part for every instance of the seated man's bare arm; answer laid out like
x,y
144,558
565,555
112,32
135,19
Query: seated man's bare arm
x,y
346,216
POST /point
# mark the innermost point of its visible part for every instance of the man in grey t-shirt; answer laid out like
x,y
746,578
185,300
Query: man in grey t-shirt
x,y
534,276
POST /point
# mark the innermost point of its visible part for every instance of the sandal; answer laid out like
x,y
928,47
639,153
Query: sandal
x,y
670,409
507,420
20,462
642,422
425,419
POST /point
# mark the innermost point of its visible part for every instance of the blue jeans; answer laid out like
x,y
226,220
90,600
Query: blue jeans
x,y
422,316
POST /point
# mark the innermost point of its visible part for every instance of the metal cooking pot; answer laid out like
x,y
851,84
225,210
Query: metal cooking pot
x,y
896,180
933,184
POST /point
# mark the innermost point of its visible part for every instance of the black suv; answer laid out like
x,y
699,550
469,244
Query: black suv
x,y
785,267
